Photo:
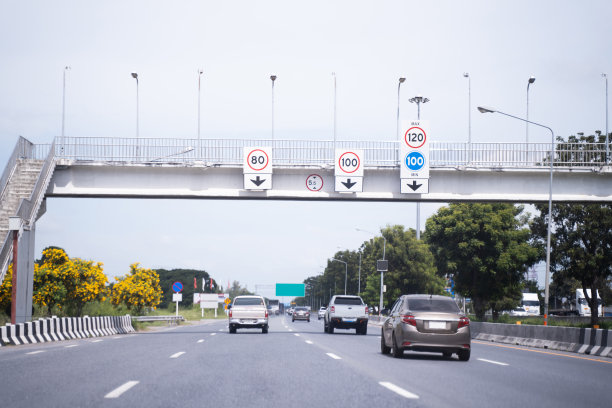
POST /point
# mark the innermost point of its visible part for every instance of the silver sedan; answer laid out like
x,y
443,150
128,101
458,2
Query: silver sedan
x,y
428,323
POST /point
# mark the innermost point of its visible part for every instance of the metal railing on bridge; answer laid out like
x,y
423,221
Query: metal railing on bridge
x,y
229,152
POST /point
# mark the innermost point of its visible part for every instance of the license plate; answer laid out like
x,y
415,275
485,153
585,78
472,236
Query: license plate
x,y
437,325
350,320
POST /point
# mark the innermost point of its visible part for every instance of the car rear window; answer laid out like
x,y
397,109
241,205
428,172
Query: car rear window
x,y
433,305
248,302
300,308
347,301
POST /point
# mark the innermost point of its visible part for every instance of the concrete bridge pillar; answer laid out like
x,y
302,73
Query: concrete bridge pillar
x,y
25,275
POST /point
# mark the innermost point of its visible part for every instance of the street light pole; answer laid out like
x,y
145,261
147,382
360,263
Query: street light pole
x,y
335,94
418,100
345,272
273,78
605,76
200,72
135,76
552,159
359,279
66,68
399,84
529,82
467,75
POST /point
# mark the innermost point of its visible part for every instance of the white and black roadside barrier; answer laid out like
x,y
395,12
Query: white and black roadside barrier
x,y
64,328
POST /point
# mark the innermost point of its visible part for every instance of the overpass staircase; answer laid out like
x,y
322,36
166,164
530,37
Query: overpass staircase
x,y
24,181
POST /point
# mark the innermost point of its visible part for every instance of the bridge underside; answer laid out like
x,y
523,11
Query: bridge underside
x,y
379,184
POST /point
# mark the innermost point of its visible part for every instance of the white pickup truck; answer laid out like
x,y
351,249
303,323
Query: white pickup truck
x,y
346,312
248,312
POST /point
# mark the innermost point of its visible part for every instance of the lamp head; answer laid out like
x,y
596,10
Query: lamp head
x,y
401,80
466,74
531,79
484,109
134,75
273,78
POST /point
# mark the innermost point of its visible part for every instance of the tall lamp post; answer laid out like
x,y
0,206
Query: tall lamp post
x,y
135,76
345,272
200,72
381,272
418,100
530,81
467,75
399,84
273,78
552,159
66,68
605,76
335,94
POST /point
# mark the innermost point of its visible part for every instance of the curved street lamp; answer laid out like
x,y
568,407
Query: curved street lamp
x,y
399,84
467,75
273,78
530,81
552,159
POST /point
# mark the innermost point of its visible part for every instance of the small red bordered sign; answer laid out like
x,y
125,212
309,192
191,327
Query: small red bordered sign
x,y
415,137
257,160
314,182
349,162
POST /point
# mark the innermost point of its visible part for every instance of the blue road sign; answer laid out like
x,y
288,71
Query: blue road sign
x,y
415,161
177,286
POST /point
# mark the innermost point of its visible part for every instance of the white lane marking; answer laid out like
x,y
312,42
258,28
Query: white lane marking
x,y
335,357
221,330
72,345
309,342
212,334
116,337
296,335
201,341
177,355
116,393
36,352
290,330
96,341
492,362
398,390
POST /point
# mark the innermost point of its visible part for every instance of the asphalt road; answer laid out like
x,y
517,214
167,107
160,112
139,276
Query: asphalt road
x,y
294,365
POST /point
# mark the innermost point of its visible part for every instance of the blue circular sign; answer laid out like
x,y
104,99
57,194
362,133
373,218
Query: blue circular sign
x,y
177,286
415,161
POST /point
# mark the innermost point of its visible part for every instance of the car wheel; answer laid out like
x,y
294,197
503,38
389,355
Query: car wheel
x,y
264,330
397,351
308,320
330,328
292,320
383,347
464,355
364,330
232,330
325,327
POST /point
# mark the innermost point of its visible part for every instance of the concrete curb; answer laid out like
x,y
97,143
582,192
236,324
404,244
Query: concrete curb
x,y
596,342
65,328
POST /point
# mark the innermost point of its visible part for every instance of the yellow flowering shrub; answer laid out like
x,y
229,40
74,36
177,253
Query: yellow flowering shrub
x,y
6,291
137,290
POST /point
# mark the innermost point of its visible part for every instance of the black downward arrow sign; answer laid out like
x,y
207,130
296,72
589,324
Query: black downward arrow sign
x,y
258,181
348,183
414,186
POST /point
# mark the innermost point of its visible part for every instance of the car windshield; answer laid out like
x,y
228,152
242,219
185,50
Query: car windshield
x,y
433,305
300,309
248,302
348,301
531,303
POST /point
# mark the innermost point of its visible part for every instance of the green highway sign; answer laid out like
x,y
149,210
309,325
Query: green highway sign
x,y
290,289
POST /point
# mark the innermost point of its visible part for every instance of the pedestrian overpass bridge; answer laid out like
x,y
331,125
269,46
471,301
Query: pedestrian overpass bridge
x,y
214,169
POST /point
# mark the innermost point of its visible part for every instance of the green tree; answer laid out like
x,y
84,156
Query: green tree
x,y
581,247
485,248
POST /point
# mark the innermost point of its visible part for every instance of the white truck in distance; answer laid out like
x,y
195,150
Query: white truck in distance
x,y
583,307
346,312
531,304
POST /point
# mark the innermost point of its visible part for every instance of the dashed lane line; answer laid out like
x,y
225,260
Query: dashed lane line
x,y
335,357
296,334
116,393
309,342
72,345
201,341
398,390
212,334
36,352
177,355
492,362
96,341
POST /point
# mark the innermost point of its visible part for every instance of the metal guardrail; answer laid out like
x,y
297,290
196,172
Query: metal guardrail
x,y
229,152
158,318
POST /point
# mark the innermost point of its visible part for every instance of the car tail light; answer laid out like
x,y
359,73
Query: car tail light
x,y
333,309
464,321
367,310
466,346
409,319
230,313
266,314
406,343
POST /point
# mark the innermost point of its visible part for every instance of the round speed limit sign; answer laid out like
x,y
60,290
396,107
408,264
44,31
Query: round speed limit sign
x,y
257,160
349,162
415,137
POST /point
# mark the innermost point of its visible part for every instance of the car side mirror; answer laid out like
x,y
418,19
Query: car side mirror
x,y
384,312
229,307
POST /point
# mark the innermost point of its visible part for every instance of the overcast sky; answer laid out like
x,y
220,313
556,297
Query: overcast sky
x,y
239,44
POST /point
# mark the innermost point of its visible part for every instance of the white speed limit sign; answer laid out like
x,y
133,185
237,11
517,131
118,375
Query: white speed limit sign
x,y
257,160
348,163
